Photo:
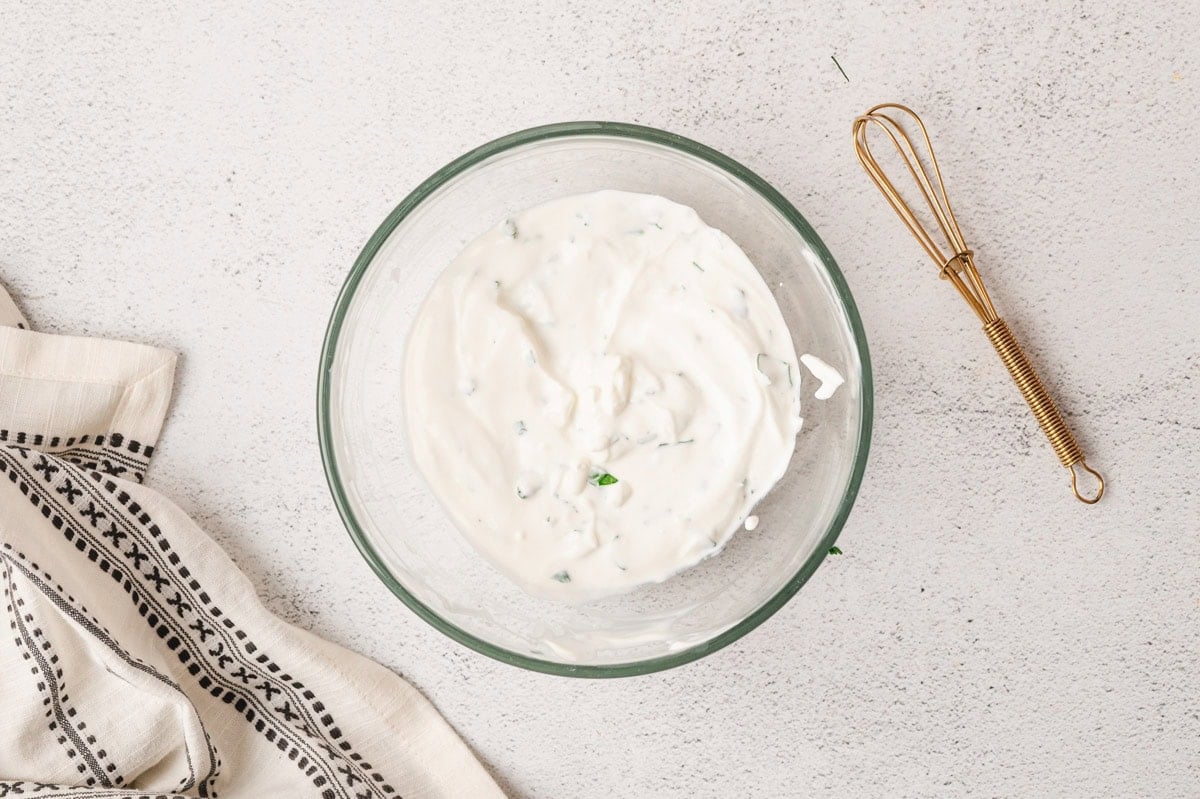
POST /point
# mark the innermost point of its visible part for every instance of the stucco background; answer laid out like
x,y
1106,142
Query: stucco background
x,y
201,176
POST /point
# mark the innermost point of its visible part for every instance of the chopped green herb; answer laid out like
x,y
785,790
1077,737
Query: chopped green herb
x,y
521,494
758,362
602,479
698,266
835,551
791,381
561,577
510,228
519,428
673,443
660,227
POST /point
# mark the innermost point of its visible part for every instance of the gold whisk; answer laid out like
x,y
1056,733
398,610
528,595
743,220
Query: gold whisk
x,y
957,264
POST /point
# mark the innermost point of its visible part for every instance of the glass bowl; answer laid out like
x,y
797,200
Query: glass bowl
x,y
399,526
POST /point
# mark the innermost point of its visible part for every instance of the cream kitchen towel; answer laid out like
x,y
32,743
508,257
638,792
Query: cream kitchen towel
x,y
135,658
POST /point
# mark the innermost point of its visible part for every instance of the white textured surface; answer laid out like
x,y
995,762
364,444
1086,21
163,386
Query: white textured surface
x,y
202,178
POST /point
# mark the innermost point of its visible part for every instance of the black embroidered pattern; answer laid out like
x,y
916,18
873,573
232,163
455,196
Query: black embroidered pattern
x,y
107,461
66,604
108,453
106,525
70,733
44,790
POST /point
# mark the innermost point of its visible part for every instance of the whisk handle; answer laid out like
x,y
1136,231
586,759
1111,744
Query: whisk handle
x,y
1043,407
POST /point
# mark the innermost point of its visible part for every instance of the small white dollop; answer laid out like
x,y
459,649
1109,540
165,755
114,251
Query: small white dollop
x,y
751,522
830,378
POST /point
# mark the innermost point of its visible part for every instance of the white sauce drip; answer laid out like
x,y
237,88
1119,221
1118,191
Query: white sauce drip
x,y
599,390
830,378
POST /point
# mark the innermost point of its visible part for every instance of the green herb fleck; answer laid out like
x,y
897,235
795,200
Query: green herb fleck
x,y
698,266
521,494
561,577
835,551
673,443
510,228
519,428
660,227
602,479
758,362
791,381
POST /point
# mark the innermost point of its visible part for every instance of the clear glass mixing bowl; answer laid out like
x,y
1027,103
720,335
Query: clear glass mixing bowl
x,y
399,526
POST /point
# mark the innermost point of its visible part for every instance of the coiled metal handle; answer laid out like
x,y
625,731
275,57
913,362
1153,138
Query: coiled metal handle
x,y
1043,407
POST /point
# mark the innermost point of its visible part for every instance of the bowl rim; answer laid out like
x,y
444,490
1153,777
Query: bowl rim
x,y
412,201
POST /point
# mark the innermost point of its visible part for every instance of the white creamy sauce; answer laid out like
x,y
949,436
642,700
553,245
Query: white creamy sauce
x,y
751,523
829,377
599,390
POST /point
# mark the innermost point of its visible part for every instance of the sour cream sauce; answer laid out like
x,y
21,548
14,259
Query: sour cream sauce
x,y
599,390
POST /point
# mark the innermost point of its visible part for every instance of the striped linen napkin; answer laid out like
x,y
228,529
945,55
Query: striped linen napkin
x,y
138,660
